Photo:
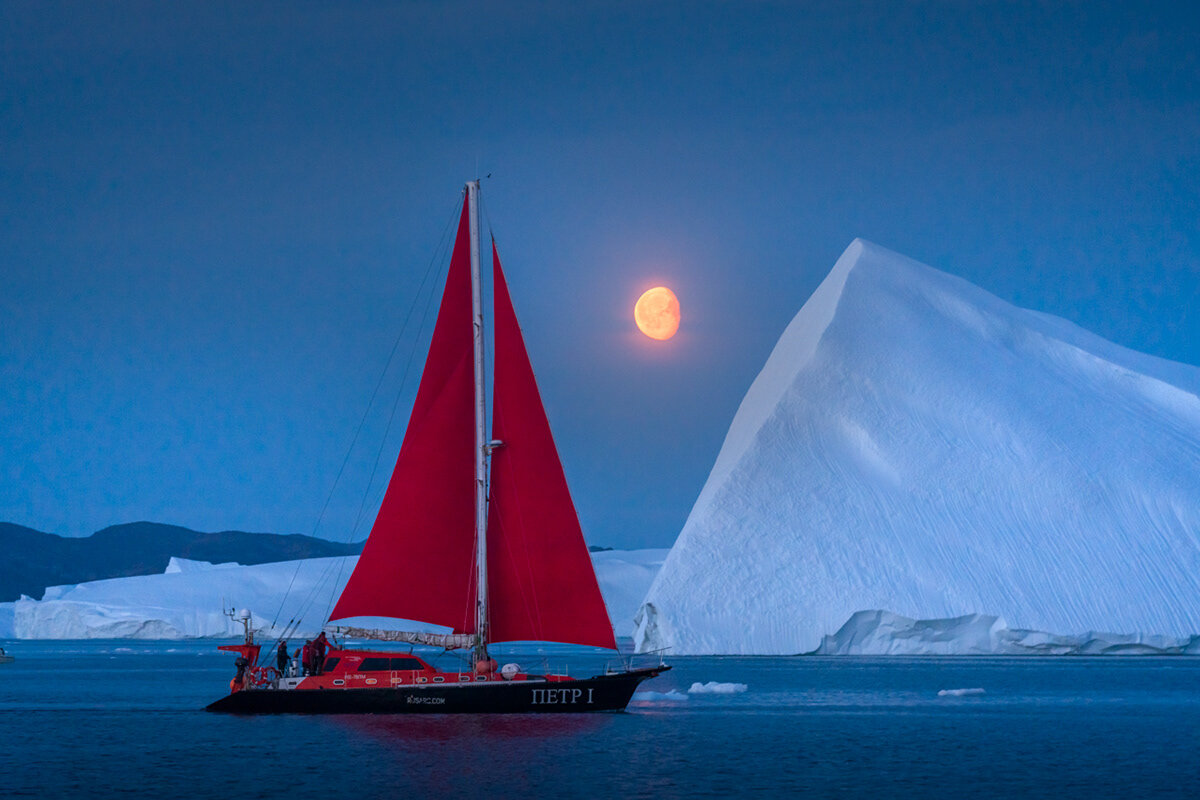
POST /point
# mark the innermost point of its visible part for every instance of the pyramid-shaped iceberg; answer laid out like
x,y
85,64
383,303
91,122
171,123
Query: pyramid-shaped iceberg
x,y
916,445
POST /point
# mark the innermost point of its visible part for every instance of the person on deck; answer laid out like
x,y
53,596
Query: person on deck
x,y
239,681
319,645
281,657
306,659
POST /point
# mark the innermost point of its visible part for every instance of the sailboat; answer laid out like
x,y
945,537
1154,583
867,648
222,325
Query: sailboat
x,y
475,534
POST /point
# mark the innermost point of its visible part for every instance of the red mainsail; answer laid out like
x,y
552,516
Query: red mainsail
x,y
419,561
541,584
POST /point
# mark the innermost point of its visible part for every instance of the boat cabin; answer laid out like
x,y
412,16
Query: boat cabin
x,y
361,669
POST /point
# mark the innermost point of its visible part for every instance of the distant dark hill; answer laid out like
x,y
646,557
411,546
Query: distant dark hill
x,y
31,560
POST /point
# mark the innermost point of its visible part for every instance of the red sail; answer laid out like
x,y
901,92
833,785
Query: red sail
x,y
419,561
541,585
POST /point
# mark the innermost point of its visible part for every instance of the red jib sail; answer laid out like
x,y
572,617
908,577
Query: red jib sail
x,y
419,561
541,585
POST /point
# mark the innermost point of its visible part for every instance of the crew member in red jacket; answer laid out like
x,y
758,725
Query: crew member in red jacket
x,y
319,644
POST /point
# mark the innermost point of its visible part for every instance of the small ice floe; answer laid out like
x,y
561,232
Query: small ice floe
x,y
658,697
714,687
960,692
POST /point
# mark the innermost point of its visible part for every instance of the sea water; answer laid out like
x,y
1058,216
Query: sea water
x,y
105,719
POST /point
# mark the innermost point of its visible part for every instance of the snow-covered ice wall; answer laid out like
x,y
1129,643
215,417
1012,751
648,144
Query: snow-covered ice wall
x,y
917,445
187,600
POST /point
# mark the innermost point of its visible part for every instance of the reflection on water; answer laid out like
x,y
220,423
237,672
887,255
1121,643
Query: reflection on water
x,y
108,718
402,731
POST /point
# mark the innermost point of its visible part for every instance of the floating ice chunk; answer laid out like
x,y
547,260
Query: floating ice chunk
x,y
713,687
959,692
672,696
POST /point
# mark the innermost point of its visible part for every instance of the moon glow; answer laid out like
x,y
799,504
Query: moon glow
x,y
657,313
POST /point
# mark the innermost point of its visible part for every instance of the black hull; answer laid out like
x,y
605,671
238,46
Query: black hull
x,y
601,693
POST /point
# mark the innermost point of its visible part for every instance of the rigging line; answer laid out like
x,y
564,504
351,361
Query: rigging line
x,y
437,258
345,461
440,257
323,584
268,653
292,626
357,432
318,587
391,419
470,590
341,565
403,382
482,205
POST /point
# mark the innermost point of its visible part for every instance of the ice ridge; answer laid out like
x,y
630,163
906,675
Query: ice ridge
x,y
914,443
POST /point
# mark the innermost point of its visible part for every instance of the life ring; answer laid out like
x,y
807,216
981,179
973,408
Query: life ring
x,y
262,677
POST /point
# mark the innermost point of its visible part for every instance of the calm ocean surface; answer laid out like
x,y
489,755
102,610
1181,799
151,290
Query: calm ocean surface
x,y
103,719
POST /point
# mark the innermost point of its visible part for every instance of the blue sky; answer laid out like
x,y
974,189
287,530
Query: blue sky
x,y
214,219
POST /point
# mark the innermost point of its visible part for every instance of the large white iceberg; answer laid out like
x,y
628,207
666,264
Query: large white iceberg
x,y
188,599
915,444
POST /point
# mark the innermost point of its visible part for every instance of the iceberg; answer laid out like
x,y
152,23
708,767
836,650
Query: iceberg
x,y
188,600
916,444
716,687
624,576
881,633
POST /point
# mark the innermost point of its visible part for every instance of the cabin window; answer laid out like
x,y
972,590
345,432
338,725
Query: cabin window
x,y
406,663
330,663
375,665
464,677
438,679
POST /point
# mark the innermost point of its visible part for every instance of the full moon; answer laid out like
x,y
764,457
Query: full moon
x,y
657,313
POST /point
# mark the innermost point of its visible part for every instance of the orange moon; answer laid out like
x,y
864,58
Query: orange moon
x,y
657,313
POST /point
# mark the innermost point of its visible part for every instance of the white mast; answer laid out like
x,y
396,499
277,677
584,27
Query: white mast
x,y
481,594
